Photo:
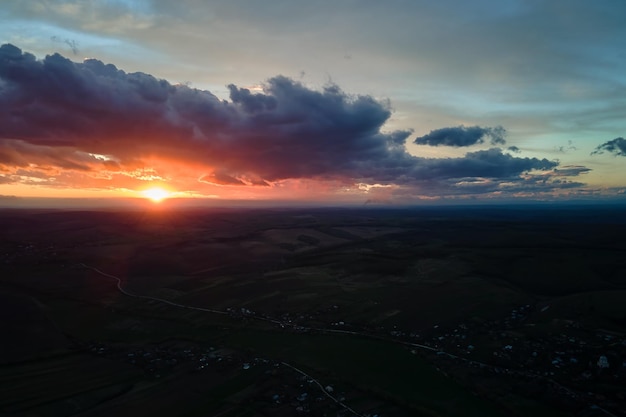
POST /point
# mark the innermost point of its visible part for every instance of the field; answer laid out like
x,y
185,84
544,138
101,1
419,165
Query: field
x,y
484,311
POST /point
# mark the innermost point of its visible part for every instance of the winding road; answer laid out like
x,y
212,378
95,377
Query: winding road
x,y
323,330
209,310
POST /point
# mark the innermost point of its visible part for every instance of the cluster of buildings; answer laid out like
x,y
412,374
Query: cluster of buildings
x,y
285,393
576,366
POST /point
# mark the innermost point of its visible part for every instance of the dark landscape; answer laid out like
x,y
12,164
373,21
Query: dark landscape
x,y
432,311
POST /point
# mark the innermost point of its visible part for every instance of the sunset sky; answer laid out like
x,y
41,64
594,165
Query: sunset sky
x,y
401,101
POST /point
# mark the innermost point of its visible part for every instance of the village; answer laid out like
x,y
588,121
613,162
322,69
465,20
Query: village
x,y
564,369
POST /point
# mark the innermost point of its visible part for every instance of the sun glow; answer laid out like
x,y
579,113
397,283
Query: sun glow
x,y
156,194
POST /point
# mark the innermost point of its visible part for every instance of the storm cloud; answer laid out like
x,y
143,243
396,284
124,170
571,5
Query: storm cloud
x,y
463,136
616,146
93,117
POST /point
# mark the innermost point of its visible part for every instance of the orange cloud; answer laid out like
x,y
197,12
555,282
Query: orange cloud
x,y
90,125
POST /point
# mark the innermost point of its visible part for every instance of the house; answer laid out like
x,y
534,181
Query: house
x,y
603,362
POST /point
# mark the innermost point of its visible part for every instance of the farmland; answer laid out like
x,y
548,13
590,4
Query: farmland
x,y
431,311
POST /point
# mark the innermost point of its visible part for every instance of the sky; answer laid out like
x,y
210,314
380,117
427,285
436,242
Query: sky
x,y
342,101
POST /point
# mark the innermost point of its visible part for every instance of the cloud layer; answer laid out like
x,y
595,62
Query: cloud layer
x,y
91,123
463,136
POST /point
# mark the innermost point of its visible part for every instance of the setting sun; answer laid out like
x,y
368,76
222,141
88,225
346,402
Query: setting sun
x,y
156,194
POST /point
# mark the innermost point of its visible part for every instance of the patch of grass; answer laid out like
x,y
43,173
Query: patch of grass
x,y
34,384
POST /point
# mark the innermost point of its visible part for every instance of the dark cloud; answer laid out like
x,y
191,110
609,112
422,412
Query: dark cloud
x,y
93,116
514,149
490,163
463,136
287,131
616,146
251,103
570,170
